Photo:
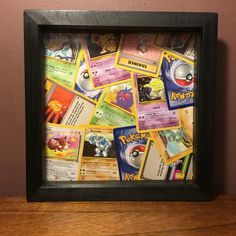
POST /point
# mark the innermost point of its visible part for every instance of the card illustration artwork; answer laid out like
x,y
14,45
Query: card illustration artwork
x,y
61,46
150,89
63,142
120,95
101,44
100,57
172,144
99,160
119,106
64,107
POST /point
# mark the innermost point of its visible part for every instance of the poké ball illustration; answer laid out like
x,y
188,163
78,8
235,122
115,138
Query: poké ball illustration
x,y
182,74
84,83
134,155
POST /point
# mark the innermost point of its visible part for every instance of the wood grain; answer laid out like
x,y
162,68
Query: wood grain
x,y
17,217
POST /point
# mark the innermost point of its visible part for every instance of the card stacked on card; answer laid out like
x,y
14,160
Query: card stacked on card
x,y
119,107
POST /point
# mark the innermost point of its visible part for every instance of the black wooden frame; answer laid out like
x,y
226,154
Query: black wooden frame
x,y
35,21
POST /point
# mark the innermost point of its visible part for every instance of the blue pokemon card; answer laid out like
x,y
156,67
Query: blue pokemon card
x,y
179,80
130,148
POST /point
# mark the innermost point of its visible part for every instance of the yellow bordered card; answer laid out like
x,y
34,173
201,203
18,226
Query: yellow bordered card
x,y
173,144
154,115
100,52
137,53
98,160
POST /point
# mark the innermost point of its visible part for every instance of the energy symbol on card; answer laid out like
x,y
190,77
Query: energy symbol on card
x,y
103,145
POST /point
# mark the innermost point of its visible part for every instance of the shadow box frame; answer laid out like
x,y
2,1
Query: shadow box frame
x,y
198,189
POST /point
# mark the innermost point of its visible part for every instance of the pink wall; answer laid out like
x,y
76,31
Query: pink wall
x,y
12,145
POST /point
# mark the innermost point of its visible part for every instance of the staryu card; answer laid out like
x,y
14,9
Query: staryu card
x,y
130,149
179,80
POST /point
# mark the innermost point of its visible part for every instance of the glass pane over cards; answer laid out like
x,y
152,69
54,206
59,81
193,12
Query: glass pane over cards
x,y
120,106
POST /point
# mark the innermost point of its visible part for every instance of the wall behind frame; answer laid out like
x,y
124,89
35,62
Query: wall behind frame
x,y
12,124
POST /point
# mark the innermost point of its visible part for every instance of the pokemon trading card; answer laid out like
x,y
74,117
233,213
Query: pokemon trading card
x,y
180,45
130,149
99,160
153,115
47,86
100,52
186,117
62,151
59,170
179,79
67,108
83,84
61,56
61,72
98,44
154,168
190,175
110,115
150,88
121,96
173,144
178,170
61,46
62,142
136,53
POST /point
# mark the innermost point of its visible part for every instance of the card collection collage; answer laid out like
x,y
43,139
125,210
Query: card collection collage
x,y
119,107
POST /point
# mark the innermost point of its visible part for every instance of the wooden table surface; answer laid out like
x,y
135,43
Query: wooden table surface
x,y
17,217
